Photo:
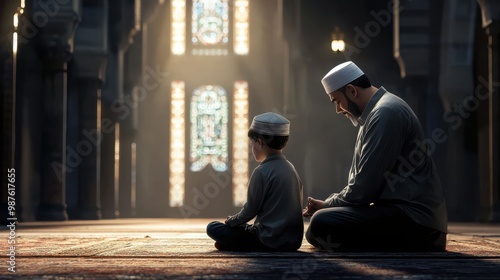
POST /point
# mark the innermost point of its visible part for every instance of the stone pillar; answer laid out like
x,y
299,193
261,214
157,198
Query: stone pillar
x,y
109,207
55,44
493,31
52,195
29,112
459,177
89,145
490,12
124,23
133,93
151,11
7,101
7,117
90,62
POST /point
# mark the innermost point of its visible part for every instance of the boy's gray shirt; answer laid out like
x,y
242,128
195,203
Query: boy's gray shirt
x,y
275,199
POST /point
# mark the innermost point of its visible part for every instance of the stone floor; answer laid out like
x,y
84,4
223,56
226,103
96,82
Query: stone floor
x,y
180,249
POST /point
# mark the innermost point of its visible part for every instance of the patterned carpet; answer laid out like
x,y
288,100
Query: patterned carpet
x,y
157,249
198,245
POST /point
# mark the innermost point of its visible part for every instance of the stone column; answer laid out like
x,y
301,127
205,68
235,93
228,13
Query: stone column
x,y
55,44
125,195
493,31
90,62
490,12
52,195
29,111
6,105
128,125
459,177
109,207
7,100
124,23
89,204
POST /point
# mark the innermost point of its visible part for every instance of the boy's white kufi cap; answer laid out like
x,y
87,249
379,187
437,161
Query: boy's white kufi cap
x,y
271,124
340,76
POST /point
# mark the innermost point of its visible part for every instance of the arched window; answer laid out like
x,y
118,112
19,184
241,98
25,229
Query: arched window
x,y
209,141
201,121
210,27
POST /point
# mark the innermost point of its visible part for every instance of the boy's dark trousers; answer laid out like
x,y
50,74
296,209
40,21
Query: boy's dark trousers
x,y
240,238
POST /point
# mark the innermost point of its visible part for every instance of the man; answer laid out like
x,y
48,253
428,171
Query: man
x,y
393,200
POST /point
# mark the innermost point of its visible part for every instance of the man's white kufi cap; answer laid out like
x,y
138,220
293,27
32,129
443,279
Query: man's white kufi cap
x,y
271,124
340,76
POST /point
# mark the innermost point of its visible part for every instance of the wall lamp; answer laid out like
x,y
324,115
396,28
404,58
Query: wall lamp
x,y
338,43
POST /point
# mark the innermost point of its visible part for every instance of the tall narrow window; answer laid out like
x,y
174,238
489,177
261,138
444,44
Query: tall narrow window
x,y
241,40
14,35
240,143
209,137
177,156
210,27
178,27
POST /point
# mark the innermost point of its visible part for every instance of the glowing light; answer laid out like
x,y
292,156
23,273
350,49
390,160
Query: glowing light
x,y
240,143
14,42
338,44
16,20
241,38
178,27
177,156
14,35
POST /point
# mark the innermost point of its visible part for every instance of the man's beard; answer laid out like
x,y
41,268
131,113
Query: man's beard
x,y
353,119
353,109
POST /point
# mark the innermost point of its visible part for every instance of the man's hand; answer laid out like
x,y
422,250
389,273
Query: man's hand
x,y
313,205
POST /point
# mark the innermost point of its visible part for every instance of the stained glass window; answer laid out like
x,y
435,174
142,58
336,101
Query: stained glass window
x,y
240,143
241,40
177,123
178,27
210,24
209,137
210,27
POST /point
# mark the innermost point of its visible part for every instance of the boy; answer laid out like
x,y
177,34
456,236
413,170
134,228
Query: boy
x,y
274,196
